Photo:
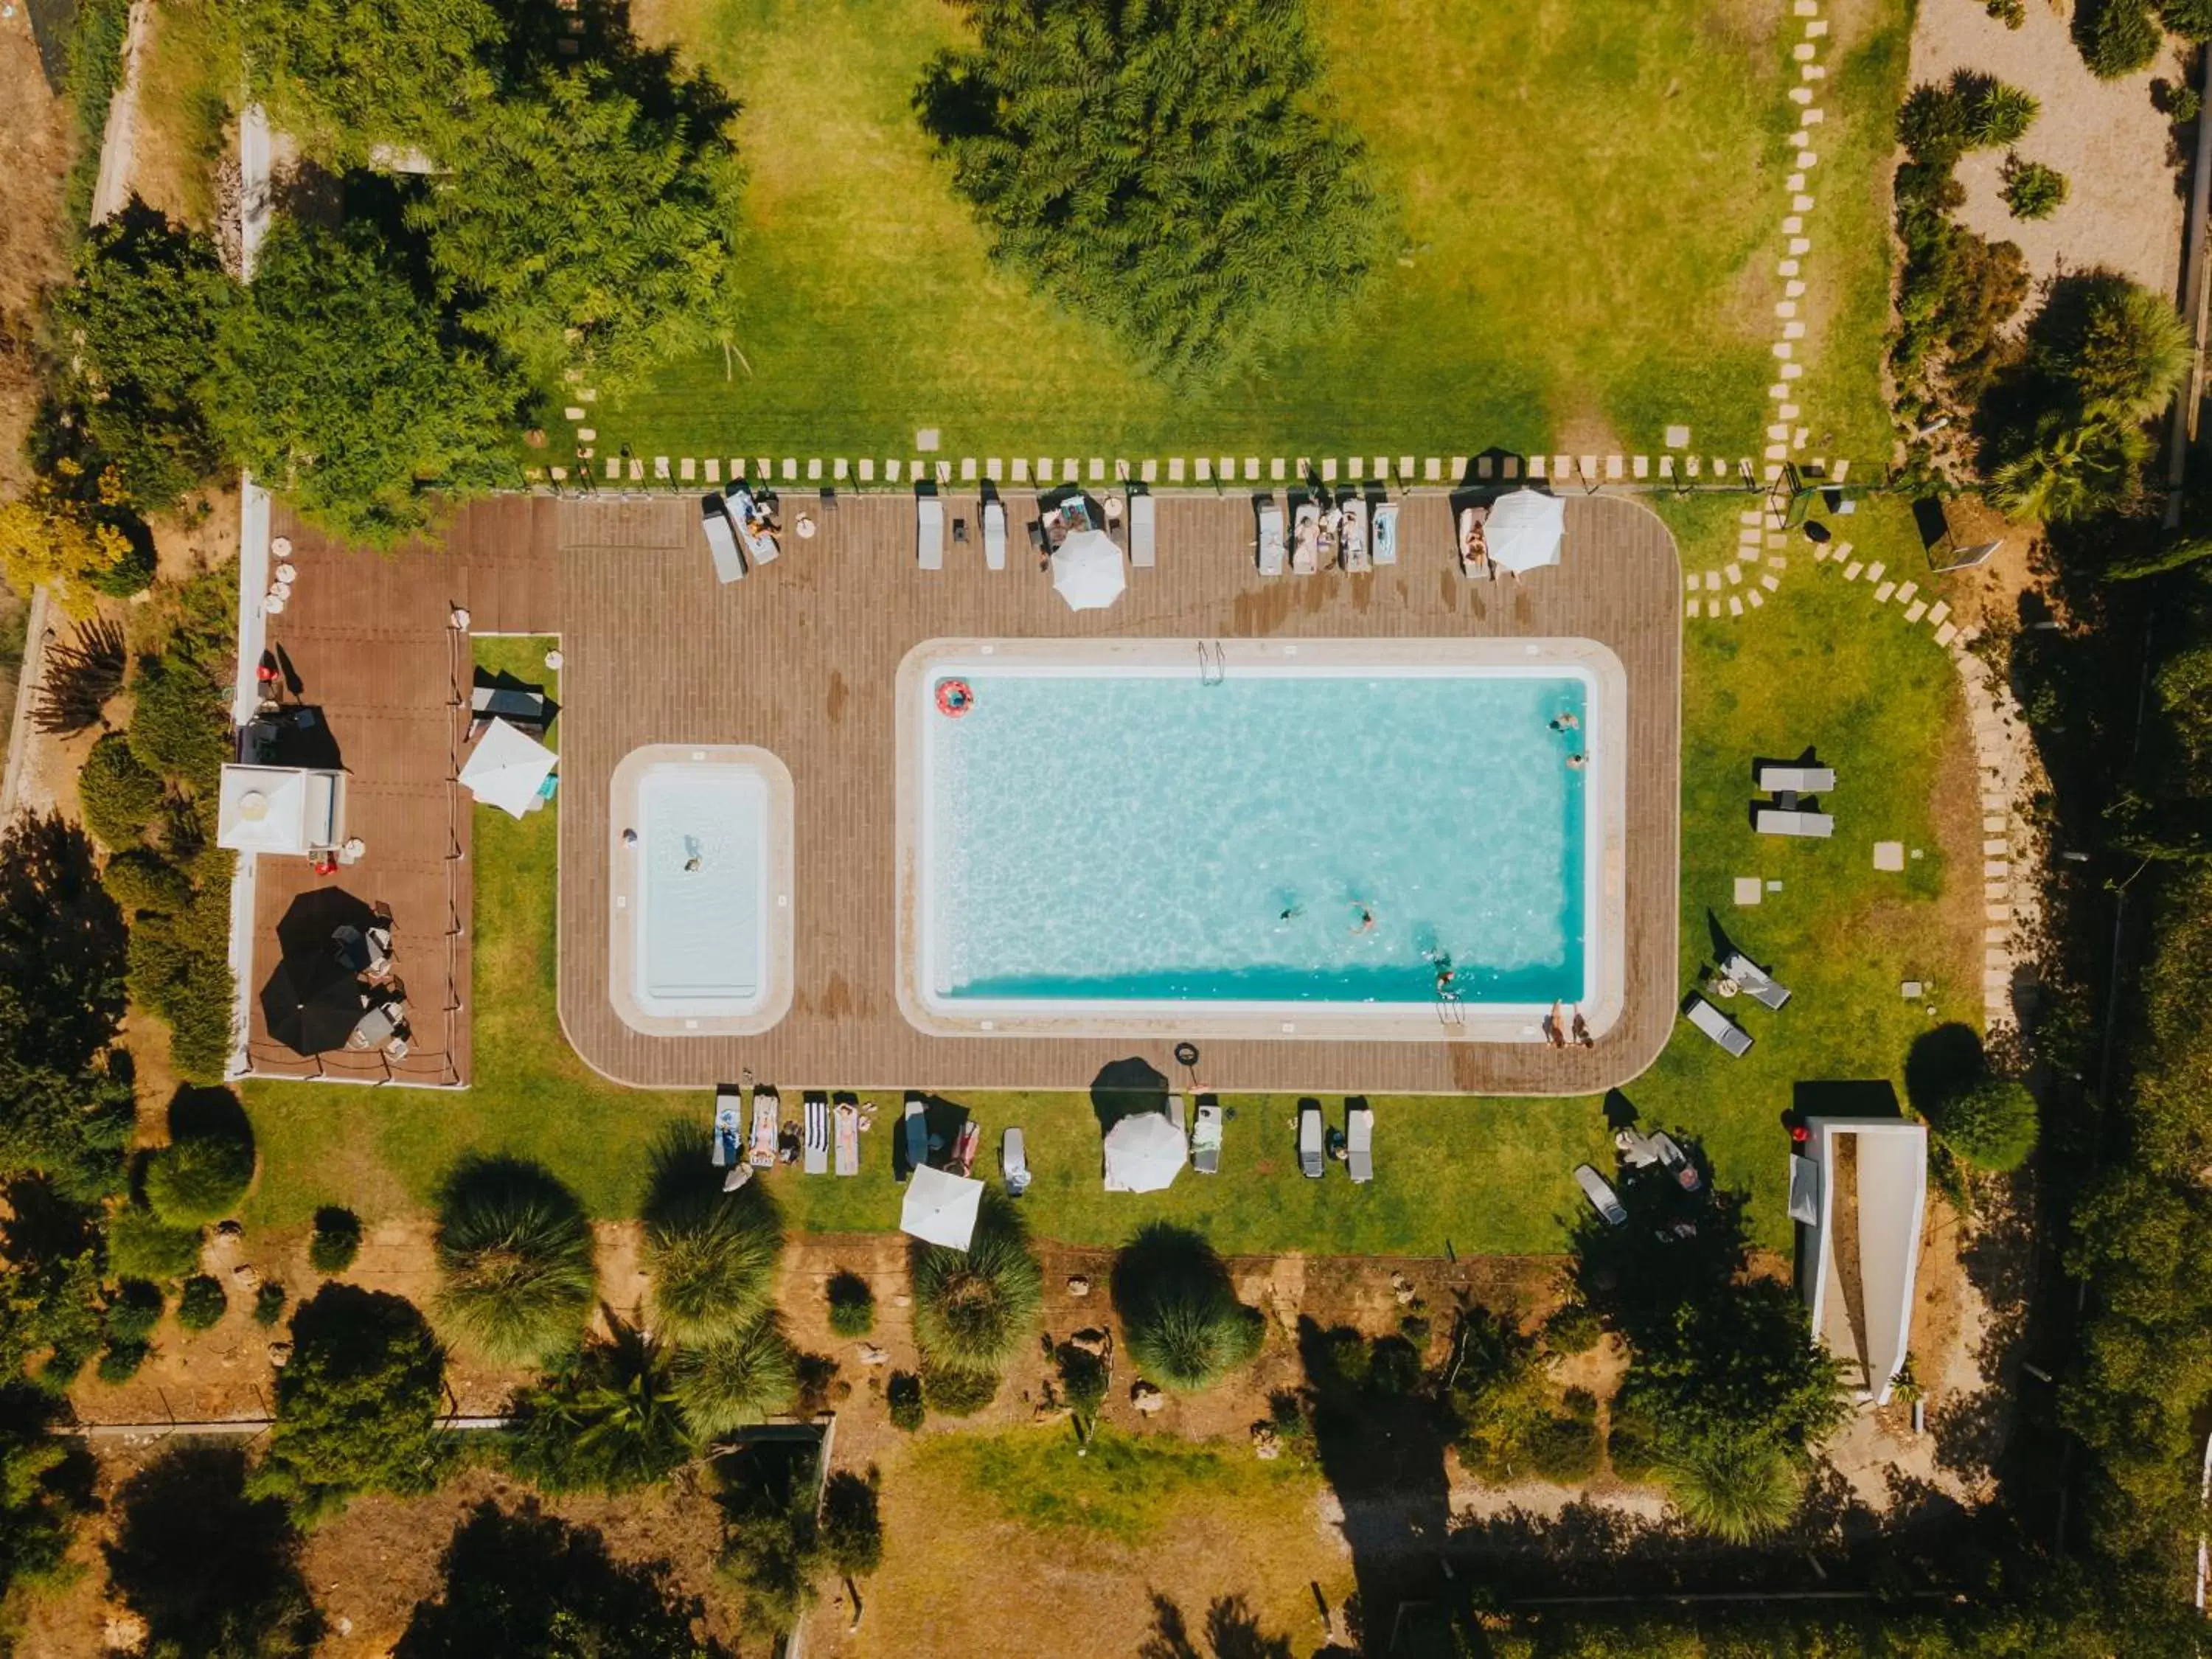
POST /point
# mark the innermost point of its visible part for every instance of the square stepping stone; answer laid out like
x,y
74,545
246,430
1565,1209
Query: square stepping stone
x,y
1712,609
1713,581
637,470
1946,633
1098,469
1938,611
1021,469
1640,465
967,469
1881,594
1735,605
1873,571
1748,891
1776,561
1914,611
660,466
1851,571
927,440
1773,886
689,468
890,471
868,469
1911,990
1278,470
814,469
1770,583
1756,597
1068,469
614,467
1992,869
1995,846
713,469
572,413
1735,574
1907,590
1666,466
1483,466
1678,437
1205,469
1432,469
1151,471
1329,470
1175,469
1252,469
1690,609
1044,469
1537,465
1511,466
1889,855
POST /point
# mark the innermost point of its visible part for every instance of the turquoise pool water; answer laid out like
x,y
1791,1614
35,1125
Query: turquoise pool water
x,y
1132,837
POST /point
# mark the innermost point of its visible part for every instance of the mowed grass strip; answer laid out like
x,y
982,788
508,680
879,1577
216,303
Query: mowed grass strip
x,y
1581,249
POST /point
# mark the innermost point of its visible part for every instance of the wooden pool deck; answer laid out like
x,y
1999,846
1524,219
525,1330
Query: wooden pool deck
x,y
801,657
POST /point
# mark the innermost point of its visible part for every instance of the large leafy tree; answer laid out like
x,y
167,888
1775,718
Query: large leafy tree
x,y
1161,166
583,226
335,384
346,75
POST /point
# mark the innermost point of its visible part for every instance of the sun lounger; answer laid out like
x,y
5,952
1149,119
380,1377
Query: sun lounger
x,y
729,1126
1762,987
1305,540
848,1117
994,535
1717,1026
1360,1143
915,1123
929,532
1636,1150
1386,532
1778,821
1353,536
970,1142
768,1123
1205,1137
1602,1199
1676,1163
750,520
1013,1163
1310,1152
721,541
1142,548
1270,539
817,1135
1804,779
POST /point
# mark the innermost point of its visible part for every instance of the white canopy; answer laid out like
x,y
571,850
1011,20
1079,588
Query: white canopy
x,y
1144,1153
940,1208
506,769
1086,571
280,809
1524,529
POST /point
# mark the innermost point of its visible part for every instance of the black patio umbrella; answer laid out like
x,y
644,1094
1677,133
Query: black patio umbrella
x,y
312,1003
311,919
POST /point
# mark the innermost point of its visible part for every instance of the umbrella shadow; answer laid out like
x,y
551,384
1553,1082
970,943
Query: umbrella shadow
x,y
1127,1088
942,1120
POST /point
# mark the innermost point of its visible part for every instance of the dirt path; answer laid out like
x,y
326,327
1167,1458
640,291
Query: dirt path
x,y
118,142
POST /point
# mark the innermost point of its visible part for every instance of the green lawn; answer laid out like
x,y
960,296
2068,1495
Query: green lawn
x,y
1820,664
1582,249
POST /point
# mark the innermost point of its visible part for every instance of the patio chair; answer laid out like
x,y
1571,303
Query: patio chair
x,y
817,1159
1360,1143
1602,1199
916,1123
768,1125
1717,1026
1386,532
1205,1137
929,532
1141,526
1310,1141
1762,987
1270,539
721,541
962,1159
848,1120
994,535
1013,1163
1803,780
728,1146
1779,821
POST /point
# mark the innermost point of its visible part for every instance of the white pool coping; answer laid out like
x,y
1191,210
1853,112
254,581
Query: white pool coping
x,y
759,1012
1605,861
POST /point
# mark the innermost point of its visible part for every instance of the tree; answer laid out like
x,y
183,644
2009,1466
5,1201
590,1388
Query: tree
x,y
179,729
514,1258
1161,168
610,1423
526,1582
201,1175
772,1545
2073,468
737,1380
346,75
852,1523
1735,1483
141,320
2122,347
357,1404
338,384
1990,1123
119,795
141,1245
974,1307
2190,18
335,1241
711,1254
613,282
38,1505
46,540
1187,1329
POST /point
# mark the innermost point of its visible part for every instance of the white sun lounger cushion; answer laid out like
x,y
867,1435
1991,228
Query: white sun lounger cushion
x,y
1718,1026
1773,821
1804,779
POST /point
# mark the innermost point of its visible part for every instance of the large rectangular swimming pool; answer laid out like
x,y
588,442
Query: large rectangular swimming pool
x,y
1318,838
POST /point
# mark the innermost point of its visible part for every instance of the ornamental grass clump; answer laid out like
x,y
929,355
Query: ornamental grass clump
x,y
514,1256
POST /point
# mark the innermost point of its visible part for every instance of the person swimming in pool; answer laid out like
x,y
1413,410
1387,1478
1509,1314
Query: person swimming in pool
x,y
1363,916
693,863
1291,911
1576,763
1568,721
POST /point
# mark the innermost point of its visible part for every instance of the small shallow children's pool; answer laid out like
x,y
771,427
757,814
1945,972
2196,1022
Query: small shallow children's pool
x,y
1310,838
700,885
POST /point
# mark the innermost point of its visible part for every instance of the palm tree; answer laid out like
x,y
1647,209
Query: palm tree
x,y
974,1309
2132,353
515,1251
2075,469
613,1422
735,1380
1736,1485
712,1254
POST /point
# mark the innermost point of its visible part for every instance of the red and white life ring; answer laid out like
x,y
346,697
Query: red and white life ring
x,y
954,697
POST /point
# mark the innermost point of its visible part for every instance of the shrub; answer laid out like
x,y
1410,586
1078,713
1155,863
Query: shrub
x,y
1187,1329
177,731
138,879
120,796
1632,1444
357,1404
2117,37
1997,114
268,1303
2013,14
1566,1449
1932,124
202,1305
2031,189
135,568
133,1311
335,1241
199,1177
514,1258
2190,18
736,1381
2125,350
1990,1123
610,1423
141,1245
903,1392
1736,1484
852,1523
852,1305
121,1361
974,1309
712,1254
956,1390
1575,1328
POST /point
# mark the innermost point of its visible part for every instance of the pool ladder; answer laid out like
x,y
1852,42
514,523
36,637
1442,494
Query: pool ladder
x,y
1450,1010
1212,663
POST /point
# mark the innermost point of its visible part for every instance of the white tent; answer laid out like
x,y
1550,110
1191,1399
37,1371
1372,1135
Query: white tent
x,y
506,769
1144,1153
940,1208
1086,571
280,809
1524,530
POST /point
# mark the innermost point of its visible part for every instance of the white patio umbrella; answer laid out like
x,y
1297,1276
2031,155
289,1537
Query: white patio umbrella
x,y
506,769
1086,571
1144,1153
940,1208
1524,530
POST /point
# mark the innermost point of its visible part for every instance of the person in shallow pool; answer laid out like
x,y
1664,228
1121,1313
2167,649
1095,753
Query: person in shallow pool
x,y
1363,917
1291,911
1567,722
1576,763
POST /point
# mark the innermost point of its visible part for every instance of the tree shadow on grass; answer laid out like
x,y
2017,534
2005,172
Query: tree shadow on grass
x,y
1232,1632
209,1570
684,1191
1939,1062
61,942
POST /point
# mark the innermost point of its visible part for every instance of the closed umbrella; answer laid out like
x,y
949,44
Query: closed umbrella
x,y
1524,530
312,1003
940,1208
1086,571
1144,1153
